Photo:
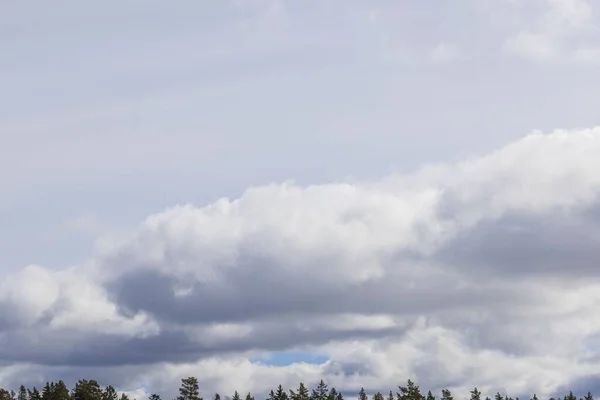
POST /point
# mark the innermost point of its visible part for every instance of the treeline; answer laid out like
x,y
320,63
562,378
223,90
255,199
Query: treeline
x,y
189,390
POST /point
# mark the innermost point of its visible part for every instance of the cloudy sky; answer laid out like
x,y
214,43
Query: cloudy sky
x,y
258,192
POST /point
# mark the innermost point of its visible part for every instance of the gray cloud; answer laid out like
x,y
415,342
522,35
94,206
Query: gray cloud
x,y
443,268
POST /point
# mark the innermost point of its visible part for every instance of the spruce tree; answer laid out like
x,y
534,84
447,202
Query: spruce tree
x,y
321,392
378,396
248,396
281,394
34,394
300,394
236,396
189,389
588,396
362,395
430,396
22,394
475,394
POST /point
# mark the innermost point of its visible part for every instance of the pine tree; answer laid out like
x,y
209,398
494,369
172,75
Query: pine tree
x,y
4,394
332,394
378,396
430,396
362,395
189,389
588,396
447,395
109,393
409,392
217,396
154,396
570,396
236,396
391,396
248,396
475,394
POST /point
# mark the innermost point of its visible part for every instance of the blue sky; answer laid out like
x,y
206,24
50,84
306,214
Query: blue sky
x,y
268,157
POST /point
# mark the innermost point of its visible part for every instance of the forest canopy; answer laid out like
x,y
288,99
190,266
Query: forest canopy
x,y
189,390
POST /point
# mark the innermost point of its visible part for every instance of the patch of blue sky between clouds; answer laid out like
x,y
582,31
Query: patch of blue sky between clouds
x,y
283,358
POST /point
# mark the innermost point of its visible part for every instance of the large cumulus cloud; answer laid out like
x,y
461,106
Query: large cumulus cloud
x,y
484,272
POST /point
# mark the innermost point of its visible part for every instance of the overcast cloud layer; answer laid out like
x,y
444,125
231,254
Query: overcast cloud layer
x,y
190,190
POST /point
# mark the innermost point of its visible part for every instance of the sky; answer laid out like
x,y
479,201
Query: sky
x,y
263,192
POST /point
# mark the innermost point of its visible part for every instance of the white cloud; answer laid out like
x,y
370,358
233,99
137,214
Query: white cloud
x,y
556,34
391,279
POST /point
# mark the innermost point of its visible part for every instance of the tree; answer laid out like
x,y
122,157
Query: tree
x,y
447,395
22,394
236,396
189,389
430,396
378,396
5,394
34,394
84,390
321,392
109,393
217,396
248,396
391,396
362,395
281,394
301,394
475,394
410,392
154,396
588,396
570,396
